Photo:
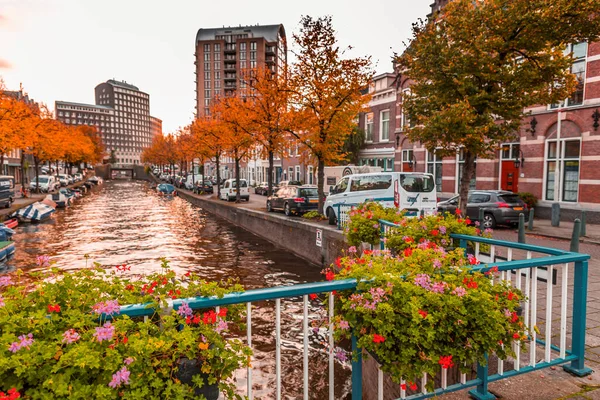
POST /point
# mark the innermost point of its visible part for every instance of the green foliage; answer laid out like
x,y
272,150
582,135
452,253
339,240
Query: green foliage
x,y
313,215
426,309
50,305
353,144
113,158
476,66
363,226
528,198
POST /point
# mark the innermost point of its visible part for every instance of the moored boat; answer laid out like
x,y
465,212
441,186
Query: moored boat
x,y
35,212
10,223
7,250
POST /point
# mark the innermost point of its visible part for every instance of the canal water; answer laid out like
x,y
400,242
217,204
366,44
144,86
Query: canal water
x,y
125,222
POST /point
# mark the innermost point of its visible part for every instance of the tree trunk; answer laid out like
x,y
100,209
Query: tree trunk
x,y
23,182
2,164
321,183
193,175
467,175
218,177
237,179
36,161
270,179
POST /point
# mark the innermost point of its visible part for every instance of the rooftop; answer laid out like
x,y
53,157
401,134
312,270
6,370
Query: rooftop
x,y
122,84
70,103
269,32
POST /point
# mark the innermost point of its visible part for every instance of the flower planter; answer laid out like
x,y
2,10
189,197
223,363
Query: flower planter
x,y
190,368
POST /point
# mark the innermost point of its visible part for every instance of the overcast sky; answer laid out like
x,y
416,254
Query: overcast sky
x,y
61,49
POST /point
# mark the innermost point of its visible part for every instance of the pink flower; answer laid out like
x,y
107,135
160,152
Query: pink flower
x,y
24,341
437,263
108,307
70,336
2,304
352,249
5,281
128,360
184,310
459,291
344,325
105,332
221,326
119,378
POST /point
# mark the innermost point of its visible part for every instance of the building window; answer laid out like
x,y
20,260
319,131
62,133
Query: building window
x,y
253,55
252,45
384,126
217,57
579,53
207,47
298,173
217,47
217,84
207,93
434,167
206,56
217,66
369,127
243,64
217,75
252,64
206,84
207,66
562,155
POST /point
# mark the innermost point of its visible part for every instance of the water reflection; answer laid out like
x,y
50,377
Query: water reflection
x,y
125,222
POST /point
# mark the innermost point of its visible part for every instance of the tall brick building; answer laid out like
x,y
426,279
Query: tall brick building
x,y
556,155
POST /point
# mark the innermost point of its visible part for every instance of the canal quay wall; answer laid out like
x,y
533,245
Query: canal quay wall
x,y
295,235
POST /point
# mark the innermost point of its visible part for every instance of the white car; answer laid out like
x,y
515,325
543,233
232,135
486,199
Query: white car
x,y
78,177
229,191
47,183
63,179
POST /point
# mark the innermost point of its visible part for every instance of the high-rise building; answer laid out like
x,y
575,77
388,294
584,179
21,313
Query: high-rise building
x,y
155,127
223,54
121,115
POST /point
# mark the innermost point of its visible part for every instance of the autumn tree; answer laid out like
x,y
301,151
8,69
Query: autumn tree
x,y
477,65
207,141
326,93
44,145
230,115
267,114
15,117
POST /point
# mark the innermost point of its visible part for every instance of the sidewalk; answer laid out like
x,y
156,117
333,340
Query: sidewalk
x,y
543,227
20,202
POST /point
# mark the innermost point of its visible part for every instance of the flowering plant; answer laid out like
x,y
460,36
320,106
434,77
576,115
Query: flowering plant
x,y
426,309
363,225
63,335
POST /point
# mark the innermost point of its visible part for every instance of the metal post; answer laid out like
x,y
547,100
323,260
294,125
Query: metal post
x,y
577,367
583,223
575,235
481,392
356,369
480,218
521,228
531,215
555,214
422,213
381,236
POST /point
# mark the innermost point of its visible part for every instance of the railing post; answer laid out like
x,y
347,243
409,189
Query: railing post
x,y
577,367
463,245
481,392
382,236
575,236
530,222
356,369
521,236
339,217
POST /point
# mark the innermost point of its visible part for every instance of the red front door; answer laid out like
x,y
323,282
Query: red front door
x,y
510,176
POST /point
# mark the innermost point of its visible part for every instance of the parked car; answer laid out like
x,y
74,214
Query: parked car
x,y
289,183
500,207
261,188
206,188
63,179
229,190
47,183
7,190
294,199
78,177
166,189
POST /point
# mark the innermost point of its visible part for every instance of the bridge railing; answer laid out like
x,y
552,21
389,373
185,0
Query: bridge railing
x,y
554,346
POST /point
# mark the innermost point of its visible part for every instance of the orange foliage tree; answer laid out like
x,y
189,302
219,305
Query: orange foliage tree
x,y
206,137
326,93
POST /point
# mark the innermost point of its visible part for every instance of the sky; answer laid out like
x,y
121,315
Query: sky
x,y
62,49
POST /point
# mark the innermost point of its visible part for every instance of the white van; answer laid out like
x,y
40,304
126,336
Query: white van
x,y
47,183
229,191
410,191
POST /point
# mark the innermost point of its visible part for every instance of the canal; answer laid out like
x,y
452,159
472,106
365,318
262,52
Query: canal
x,y
125,222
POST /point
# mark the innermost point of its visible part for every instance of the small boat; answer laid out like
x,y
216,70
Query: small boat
x,y
96,180
10,223
35,212
7,250
60,199
6,234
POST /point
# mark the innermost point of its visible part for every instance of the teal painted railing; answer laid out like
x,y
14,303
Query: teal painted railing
x,y
526,271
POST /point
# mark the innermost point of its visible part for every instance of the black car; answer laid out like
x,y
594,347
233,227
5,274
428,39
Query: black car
x,y
206,188
294,200
500,207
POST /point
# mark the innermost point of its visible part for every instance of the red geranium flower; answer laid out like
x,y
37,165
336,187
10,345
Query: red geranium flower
x,y
468,221
423,313
54,308
446,362
434,232
329,275
338,262
516,336
312,296
378,338
407,252
412,386
222,312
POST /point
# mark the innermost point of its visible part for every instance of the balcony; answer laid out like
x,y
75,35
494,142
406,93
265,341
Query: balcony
x,y
270,50
229,48
230,67
270,60
230,77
